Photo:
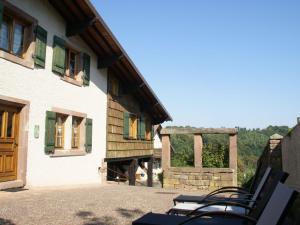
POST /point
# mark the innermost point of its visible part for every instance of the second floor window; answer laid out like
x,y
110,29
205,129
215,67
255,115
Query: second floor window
x,y
69,63
12,35
148,130
133,126
72,61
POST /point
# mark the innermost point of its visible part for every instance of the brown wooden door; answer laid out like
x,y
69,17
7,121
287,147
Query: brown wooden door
x,y
9,126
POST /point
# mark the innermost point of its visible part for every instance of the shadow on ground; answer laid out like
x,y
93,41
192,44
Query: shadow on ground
x,y
129,213
6,222
89,218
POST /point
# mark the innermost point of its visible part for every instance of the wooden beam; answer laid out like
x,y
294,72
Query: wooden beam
x,y
79,28
132,171
150,173
109,61
168,131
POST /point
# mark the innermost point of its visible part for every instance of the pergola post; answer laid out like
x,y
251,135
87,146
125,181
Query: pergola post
x,y
233,155
150,173
198,145
131,171
166,152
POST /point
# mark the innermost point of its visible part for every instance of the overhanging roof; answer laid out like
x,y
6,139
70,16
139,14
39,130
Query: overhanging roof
x,y
84,20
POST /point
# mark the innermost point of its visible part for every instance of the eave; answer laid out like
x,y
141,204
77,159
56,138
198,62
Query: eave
x,y
83,19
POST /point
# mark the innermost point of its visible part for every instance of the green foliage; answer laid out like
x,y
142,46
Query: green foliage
x,y
251,143
183,154
215,153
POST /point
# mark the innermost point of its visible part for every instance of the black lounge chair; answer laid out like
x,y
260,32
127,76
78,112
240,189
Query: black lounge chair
x,y
240,206
274,212
241,192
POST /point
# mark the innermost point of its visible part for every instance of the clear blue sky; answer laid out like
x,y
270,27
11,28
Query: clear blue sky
x,y
215,63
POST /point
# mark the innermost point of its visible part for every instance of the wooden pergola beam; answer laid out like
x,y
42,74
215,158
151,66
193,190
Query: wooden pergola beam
x,y
168,131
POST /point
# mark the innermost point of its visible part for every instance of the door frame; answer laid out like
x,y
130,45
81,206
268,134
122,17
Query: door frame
x,y
22,141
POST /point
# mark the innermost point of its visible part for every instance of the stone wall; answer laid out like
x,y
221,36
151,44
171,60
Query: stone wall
x,y
290,146
272,155
283,153
198,178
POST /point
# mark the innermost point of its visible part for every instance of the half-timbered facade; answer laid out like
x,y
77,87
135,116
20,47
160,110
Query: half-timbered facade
x,y
55,61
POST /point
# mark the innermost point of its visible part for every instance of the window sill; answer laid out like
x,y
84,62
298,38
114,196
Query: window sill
x,y
16,59
72,81
67,153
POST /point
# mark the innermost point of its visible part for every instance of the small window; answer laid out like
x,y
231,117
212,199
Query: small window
x,y
12,36
133,126
59,130
72,61
76,121
148,130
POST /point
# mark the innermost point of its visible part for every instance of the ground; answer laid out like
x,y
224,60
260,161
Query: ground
x,y
111,204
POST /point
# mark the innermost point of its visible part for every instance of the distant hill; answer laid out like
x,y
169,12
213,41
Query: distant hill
x,y
251,143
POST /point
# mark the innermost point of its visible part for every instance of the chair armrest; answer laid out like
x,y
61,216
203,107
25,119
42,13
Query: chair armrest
x,y
228,214
224,192
229,187
226,203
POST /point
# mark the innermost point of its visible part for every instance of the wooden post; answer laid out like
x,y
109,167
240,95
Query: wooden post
x,y
198,145
131,172
150,173
233,155
166,152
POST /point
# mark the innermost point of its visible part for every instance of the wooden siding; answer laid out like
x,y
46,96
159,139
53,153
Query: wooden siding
x,y
117,146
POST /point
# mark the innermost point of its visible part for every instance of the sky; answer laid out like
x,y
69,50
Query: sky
x,y
215,63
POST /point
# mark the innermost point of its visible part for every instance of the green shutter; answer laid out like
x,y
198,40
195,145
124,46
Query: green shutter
x,y
86,69
142,130
88,135
50,132
1,12
138,128
40,46
152,132
59,55
126,125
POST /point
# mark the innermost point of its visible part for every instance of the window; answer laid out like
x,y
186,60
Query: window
x,y
67,133
148,132
73,66
133,126
114,84
72,61
16,35
76,131
12,36
59,131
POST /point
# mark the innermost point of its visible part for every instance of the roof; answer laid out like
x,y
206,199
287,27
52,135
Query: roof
x,y
84,20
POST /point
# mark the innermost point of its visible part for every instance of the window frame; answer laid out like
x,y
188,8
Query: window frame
x,y
28,47
67,149
64,118
77,79
79,127
133,126
148,129
68,59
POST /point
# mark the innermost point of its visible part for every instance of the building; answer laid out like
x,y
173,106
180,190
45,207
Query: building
x,y
56,58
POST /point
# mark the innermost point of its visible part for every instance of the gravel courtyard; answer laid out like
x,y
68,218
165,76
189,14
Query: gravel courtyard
x,y
85,205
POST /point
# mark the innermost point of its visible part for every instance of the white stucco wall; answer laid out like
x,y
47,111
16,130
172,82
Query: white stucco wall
x,y
44,90
157,141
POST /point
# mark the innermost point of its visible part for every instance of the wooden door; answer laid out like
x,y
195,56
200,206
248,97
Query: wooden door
x,y
9,126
